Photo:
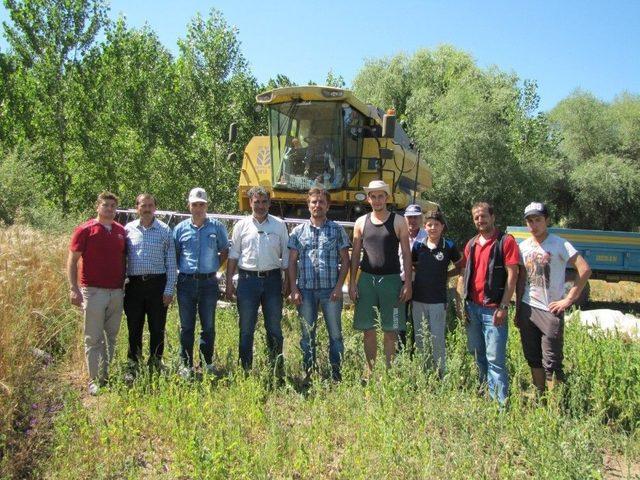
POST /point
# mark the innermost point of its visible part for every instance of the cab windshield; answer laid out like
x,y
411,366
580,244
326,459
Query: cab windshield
x,y
306,145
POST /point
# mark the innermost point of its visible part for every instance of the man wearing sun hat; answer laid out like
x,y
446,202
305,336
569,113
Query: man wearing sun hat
x,y
377,235
202,245
541,300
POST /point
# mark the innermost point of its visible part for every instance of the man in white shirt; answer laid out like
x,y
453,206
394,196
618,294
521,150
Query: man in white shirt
x,y
541,301
259,252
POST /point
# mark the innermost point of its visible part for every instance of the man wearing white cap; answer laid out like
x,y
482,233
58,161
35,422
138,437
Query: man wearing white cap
x,y
379,287
202,245
540,298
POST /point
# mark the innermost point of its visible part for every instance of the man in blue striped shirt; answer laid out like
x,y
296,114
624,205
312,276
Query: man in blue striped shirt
x,y
318,267
151,269
202,245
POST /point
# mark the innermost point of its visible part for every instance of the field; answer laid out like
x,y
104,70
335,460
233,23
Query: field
x,y
405,423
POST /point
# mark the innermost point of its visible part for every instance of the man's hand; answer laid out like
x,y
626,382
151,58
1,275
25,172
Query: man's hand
x,y
75,296
560,306
230,290
295,297
499,317
406,292
167,299
353,292
336,294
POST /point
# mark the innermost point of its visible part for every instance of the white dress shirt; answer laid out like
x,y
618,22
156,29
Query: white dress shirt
x,y
260,246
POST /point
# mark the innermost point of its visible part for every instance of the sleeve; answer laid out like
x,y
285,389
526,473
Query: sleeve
x,y
344,238
284,241
234,246
170,264
176,243
454,254
465,255
78,241
222,238
511,252
294,241
570,250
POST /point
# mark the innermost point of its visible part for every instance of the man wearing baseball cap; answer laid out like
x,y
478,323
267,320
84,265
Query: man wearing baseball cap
x,y
202,245
541,301
379,287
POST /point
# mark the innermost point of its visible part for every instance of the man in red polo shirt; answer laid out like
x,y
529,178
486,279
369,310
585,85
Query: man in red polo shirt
x,y
95,269
490,264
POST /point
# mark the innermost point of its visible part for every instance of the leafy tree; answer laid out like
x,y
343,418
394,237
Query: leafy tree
x,y
334,80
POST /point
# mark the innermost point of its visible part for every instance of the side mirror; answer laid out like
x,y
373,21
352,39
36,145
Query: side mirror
x,y
233,132
389,124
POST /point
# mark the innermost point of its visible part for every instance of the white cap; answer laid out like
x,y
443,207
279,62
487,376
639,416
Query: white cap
x,y
377,186
197,195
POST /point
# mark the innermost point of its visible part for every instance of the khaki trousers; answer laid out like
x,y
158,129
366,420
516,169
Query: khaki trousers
x,y
102,314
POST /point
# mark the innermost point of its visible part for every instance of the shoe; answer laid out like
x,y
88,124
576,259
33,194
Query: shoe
x,y
185,372
93,389
210,369
129,378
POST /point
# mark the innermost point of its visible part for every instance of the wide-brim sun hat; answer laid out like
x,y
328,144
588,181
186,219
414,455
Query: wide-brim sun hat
x,y
377,186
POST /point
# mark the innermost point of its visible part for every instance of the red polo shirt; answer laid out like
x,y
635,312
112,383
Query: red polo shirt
x,y
103,251
511,255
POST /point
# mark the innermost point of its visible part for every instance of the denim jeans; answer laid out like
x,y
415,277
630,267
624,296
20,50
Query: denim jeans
x,y
252,293
488,344
331,311
197,296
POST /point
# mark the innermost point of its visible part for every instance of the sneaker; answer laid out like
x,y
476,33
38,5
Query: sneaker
x,y
210,369
185,372
93,388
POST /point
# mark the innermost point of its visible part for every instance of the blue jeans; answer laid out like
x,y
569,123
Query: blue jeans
x,y
331,311
253,292
197,296
488,344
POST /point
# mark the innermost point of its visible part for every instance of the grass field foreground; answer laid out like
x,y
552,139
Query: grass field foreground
x,y
405,423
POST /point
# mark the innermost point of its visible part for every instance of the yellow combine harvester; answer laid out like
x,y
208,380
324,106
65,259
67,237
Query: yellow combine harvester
x,y
325,135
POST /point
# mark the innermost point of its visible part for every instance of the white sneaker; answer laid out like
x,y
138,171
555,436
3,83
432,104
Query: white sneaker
x,y
93,389
184,372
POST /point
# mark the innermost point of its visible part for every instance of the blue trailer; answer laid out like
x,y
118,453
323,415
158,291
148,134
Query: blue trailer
x,y
612,256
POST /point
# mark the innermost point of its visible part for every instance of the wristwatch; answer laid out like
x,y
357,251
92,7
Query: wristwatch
x,y
504,306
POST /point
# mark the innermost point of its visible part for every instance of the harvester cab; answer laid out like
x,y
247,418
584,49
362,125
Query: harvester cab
x,y
324,136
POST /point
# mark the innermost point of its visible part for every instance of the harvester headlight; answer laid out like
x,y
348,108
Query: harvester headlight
x,y
265,97
360,196
332,93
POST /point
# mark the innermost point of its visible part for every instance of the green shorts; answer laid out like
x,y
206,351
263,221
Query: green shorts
x,y
379,292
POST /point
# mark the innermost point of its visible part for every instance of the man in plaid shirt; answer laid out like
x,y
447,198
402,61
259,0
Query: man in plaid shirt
x,y
318,267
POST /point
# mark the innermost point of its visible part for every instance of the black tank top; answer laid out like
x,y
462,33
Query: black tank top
x,y
380,245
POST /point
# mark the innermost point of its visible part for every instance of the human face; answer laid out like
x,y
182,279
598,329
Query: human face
x,y
146,208
198,210
107,210
434,229
537,225
260,206
378,200
483,220
318,207
413,222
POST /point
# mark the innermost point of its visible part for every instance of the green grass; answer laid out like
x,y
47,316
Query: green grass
x,y
405,423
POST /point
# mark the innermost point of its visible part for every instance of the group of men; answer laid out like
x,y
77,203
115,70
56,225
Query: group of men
x,y
398,267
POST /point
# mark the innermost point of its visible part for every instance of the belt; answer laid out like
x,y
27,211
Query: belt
x,y
200,276
147,277
262,274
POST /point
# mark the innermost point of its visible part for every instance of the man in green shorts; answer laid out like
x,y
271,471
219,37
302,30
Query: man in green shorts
x,y
379,287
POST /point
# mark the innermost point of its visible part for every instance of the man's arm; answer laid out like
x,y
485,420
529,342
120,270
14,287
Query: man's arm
x,y
520,285
172,270
294,296
402,231
584,272
500,315
230,290
336,294
355,259
75,295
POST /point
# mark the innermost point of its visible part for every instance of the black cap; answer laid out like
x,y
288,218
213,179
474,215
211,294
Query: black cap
x,y
536,208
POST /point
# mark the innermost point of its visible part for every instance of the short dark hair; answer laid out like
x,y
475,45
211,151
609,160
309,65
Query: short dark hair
x,y
144,196
486,205
105,195
319,191
258,192
434,215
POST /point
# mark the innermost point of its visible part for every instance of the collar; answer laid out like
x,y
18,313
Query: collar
x,y
154,224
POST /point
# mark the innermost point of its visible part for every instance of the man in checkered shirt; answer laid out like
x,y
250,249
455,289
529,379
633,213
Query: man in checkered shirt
x,y
318,267
151,269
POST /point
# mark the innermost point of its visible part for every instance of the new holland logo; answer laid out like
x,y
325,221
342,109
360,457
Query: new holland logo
x,y
264,157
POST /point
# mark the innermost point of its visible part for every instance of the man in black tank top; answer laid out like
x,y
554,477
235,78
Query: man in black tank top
x,y
379,287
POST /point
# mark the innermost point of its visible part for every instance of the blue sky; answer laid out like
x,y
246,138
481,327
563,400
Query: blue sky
x,y
562,44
